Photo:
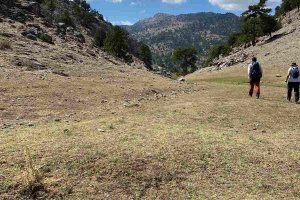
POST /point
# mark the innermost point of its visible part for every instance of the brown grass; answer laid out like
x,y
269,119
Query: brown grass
x,y
205,139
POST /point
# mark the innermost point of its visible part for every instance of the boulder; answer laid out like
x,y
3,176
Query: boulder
x,y
39,66
70,29
181,79
31,37
24,33
61,25
33,31
91,52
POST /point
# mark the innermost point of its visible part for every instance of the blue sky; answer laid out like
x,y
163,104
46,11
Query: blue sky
x,y
127,12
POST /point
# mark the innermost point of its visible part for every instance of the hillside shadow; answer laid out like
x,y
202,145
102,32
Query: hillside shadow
x,y
276,37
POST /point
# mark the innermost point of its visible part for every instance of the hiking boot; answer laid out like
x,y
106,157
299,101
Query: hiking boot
x,y
289,99
250,94
257,96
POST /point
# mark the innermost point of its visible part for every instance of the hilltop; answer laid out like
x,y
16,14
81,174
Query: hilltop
x,y
164,32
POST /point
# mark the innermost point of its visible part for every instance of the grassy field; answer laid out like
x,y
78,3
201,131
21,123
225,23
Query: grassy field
x,y
205,139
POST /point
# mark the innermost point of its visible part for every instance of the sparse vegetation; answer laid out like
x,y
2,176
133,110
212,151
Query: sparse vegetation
x,y
216,51
256,22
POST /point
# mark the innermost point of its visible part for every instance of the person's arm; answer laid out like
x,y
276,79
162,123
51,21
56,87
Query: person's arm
x,y
288,76
261,69
249,69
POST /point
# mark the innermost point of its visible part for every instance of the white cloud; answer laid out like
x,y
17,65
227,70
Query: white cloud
x,y
122,23
143,12
135,3
115,1
239,5
174,1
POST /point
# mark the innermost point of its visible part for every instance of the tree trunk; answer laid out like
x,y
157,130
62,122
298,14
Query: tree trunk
x,y
254,35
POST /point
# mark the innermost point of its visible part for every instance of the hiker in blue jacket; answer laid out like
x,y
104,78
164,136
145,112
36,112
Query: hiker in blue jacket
x,y
293,82
255,73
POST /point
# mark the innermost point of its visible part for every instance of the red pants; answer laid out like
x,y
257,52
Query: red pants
x,y
257,87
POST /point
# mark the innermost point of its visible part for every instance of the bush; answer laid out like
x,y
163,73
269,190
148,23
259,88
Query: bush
x,y
33,176
216,51
236,39
128,58
5,44
46,38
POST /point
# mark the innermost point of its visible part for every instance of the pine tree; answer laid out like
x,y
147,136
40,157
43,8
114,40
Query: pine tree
x,y
99,37
116,42
269,24
295,4
186,58
254,13
50,7
146,55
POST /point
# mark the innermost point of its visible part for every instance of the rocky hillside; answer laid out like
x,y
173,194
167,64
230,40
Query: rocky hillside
x,y
165,32
83,25
280,50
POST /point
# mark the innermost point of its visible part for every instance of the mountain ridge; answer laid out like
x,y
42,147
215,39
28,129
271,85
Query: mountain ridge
x,y
202,30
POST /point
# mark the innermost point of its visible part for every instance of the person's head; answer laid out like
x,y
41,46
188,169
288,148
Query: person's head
x,y
294,64
254,59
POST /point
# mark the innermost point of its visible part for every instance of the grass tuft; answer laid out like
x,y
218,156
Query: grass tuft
x,y
33,177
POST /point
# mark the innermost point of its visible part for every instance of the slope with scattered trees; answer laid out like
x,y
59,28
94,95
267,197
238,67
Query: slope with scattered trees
x,y
164,33
256,22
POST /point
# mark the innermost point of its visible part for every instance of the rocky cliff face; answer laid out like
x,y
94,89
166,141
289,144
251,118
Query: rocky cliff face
x,y
26,12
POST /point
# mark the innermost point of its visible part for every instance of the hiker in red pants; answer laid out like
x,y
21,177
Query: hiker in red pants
x,y
255,73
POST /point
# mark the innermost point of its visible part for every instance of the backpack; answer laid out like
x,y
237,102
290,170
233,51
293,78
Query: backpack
x,y
255,71
295,72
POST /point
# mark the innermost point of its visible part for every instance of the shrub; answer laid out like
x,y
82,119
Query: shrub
x,y
33,177
46,38
216,51
128,58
